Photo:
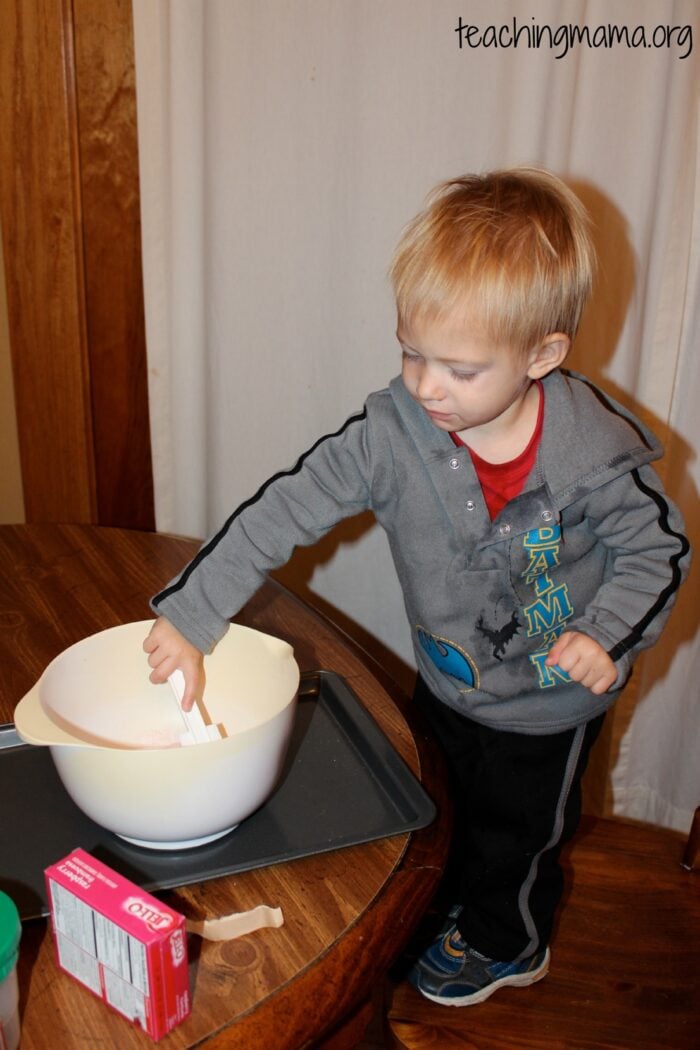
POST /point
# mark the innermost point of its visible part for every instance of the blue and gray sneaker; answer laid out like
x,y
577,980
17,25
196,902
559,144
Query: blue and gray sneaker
x,y
452,973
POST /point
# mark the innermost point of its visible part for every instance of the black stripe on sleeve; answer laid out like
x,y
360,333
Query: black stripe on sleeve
x,y
636,634
216,539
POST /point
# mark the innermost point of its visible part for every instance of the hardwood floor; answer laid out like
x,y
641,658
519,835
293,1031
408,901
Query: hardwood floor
x,y
625,967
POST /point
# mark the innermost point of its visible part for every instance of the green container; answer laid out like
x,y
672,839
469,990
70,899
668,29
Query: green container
x,y
10,933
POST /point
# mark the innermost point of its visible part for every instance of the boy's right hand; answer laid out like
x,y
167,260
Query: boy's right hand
x,y
168,650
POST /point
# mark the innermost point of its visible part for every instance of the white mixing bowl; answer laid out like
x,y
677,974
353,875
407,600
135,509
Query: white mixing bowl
x,y
114,737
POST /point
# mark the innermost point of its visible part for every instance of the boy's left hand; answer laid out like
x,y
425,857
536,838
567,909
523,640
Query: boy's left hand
x,y
584,660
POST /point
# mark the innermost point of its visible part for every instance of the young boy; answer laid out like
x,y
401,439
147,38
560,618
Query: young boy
x,y
536,549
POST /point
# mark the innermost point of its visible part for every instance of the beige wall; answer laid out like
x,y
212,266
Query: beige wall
x,y
11,499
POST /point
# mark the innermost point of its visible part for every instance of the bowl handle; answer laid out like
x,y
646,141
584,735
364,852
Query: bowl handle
x,y
35,727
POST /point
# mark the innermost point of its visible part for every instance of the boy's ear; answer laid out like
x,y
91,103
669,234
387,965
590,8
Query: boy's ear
x,y
550,353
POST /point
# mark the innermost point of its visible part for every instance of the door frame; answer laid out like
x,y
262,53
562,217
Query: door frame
x,y
69,209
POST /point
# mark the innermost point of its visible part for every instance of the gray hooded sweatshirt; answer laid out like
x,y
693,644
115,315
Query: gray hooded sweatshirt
x,y
591,544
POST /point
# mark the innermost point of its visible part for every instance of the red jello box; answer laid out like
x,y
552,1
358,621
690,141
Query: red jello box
x,y
120,942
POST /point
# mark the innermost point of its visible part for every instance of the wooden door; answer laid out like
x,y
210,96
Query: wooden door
x,y
69,207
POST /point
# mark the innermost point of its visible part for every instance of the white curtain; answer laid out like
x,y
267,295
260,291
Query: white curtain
x,y
283,146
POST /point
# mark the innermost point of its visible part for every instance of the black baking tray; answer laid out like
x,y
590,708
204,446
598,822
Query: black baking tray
x,y
343,784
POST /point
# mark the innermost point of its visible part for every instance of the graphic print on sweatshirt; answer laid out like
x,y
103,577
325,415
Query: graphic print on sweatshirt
x,y
499,637
547,614
450,658
543,619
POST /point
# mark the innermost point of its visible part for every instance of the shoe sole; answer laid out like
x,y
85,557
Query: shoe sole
x,y
517,980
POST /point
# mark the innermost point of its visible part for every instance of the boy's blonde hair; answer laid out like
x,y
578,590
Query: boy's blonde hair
x,y
509,250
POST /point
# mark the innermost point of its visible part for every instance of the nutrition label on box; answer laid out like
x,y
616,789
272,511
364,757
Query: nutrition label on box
x,y
87,941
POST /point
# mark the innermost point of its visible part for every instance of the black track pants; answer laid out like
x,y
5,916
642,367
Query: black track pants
x,y
517,801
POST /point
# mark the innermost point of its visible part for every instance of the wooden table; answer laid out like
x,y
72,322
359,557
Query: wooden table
x,y
347,914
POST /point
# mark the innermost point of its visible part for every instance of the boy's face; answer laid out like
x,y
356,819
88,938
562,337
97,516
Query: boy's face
x,y
463,380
